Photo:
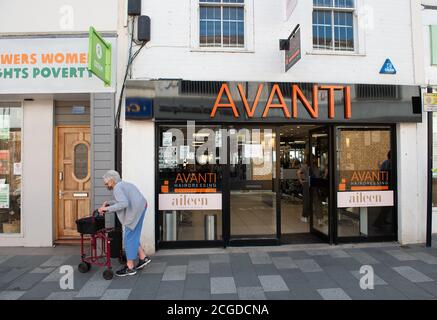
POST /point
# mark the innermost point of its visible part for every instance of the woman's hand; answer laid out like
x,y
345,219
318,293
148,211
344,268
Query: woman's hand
x,y
102,210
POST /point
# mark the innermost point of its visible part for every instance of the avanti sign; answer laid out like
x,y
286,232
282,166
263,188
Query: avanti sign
x,y
297,95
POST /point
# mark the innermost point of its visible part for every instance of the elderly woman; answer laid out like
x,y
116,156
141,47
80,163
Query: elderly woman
x,y
130,206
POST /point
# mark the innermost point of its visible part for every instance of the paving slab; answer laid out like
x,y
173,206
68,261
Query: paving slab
x,y
223,285
334,294
273,283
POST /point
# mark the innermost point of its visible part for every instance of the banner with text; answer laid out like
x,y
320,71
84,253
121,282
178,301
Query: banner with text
x,y
49,65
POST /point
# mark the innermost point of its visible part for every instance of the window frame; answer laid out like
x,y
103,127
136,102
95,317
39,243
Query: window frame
x,y
23,218
249,45
353,10
222,5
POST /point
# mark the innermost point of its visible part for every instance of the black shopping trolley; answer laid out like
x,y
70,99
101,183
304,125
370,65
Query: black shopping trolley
x,y
93,232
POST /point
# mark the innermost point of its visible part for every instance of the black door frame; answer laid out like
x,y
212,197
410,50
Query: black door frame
x,y
331,168
243,242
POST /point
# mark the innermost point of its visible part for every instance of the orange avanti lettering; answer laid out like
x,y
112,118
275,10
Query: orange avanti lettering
x,y
297,93
282,105
231,104
250,111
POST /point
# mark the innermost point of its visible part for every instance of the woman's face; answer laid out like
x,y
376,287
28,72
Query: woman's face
x,y
109,184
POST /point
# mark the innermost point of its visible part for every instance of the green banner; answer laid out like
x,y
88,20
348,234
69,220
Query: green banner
x,y
433,31
99,57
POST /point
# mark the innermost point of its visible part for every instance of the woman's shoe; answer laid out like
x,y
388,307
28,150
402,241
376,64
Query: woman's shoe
x,y
125,271
142,263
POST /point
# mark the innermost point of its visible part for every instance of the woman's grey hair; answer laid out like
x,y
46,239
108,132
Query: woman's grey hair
x,y
112,175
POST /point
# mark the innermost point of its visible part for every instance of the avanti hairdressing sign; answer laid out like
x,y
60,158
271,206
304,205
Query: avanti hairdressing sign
x,y
245,102
48,65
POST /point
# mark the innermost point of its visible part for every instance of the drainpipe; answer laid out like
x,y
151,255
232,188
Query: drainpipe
x,y
429,179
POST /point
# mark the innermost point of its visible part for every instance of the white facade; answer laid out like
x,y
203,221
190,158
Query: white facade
x,y
389,29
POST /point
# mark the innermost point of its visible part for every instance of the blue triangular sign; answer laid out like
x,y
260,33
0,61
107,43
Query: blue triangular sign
x,y
388,68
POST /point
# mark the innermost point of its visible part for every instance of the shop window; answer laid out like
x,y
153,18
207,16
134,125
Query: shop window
x,y
10,169
190,184
376,92
222,23
333,25
365,191
81,161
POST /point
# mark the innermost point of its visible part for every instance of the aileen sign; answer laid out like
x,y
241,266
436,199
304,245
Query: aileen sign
x,y
190,201
276,94
365,199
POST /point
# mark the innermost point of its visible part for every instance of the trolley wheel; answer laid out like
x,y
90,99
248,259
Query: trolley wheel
x,y
108,274
84,267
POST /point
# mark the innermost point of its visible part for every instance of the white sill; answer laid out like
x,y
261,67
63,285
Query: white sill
x,y
336,53
11,235
221,50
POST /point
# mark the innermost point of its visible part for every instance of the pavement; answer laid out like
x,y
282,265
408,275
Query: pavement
x,y
304,272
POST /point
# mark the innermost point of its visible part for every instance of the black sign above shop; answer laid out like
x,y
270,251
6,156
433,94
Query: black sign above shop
x,y
252,102
292,49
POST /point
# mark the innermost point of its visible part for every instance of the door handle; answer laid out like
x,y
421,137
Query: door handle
x,y
61,176
60,194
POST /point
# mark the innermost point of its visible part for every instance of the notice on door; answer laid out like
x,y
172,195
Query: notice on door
x,y
365,199
190,201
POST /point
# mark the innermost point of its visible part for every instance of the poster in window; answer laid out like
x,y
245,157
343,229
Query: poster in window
x,y
17,168
4,127
167,139
4,196
4,161
167,157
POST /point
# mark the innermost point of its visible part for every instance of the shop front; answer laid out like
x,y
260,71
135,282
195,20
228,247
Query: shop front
x,y
242,164
56,136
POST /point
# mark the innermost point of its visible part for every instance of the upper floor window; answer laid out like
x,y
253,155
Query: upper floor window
x,y
333,25
221,23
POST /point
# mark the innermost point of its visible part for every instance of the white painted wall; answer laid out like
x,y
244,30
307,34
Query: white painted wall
x,y
412,181
172,53
139,168
37,177
57,16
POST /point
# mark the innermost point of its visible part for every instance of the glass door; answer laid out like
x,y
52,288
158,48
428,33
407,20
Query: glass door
x,y
319,166
253,191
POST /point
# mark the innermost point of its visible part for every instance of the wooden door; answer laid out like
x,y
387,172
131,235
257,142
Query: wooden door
x,y
73,175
